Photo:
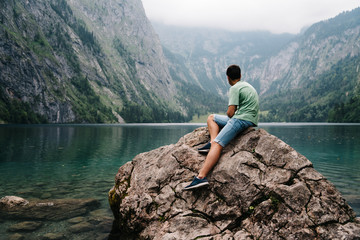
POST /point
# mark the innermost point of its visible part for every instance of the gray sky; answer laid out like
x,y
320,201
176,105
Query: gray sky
x,y
277,16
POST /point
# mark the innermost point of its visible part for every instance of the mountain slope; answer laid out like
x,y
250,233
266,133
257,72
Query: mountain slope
x,y
313,76
310,54
84,61
332,97
40,70
319,74
206,53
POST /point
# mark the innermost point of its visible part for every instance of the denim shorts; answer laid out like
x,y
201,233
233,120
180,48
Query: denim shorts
x,y
230,127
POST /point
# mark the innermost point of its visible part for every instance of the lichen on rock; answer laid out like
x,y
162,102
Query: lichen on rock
x,y
261,188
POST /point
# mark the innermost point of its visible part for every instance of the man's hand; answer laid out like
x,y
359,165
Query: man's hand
x,y
231,111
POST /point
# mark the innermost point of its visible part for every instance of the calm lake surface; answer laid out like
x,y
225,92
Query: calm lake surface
x,y
80,161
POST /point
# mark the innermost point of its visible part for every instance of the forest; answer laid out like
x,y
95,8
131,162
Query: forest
x,y
333,97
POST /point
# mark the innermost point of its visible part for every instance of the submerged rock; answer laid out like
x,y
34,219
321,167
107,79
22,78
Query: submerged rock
x,y
81,227
16,236
27,226
56,209
53,236
12,201
261,188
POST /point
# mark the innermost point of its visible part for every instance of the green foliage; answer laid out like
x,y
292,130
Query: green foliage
x,y
348,112
87,104
16,111
195,100
64,11
144,107
63,46
147,108
159,113
331,97
41,47
198,102
126,56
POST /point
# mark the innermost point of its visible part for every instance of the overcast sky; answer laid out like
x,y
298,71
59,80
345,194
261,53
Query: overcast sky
x,y
277,16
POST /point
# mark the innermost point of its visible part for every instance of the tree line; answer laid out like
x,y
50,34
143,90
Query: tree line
x,y
332,97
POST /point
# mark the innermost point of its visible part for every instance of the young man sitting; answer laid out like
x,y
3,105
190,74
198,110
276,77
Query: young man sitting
x,y
242,113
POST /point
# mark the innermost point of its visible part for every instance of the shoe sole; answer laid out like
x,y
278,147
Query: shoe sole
x,y
197,186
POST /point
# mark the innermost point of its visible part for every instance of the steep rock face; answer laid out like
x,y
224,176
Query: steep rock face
x,y
83,61
48,62
23,72
261,188
311,54
123,24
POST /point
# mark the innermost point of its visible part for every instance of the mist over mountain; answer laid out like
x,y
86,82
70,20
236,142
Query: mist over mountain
x,y
312,76
206,53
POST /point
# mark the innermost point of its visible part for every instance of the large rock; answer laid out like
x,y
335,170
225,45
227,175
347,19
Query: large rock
x,y
261,188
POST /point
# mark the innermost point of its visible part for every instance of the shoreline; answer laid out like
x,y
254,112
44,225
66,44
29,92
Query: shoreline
x,y
171,124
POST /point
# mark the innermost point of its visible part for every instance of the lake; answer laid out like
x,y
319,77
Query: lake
x,y
80,161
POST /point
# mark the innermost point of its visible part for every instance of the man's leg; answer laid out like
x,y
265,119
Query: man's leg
x,y
213,127
222,138
211,159
214,154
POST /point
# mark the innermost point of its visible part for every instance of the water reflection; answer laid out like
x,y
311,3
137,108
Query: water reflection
x,y
72,161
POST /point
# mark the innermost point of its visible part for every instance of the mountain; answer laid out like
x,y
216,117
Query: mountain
x,y
313,76
84,61
87,61
316,76
307,56
206,53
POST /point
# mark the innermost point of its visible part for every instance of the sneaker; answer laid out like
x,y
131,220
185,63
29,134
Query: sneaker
x,y
205,148
196,183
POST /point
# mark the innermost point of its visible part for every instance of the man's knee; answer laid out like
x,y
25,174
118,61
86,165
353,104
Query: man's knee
x,y
217,145
210,118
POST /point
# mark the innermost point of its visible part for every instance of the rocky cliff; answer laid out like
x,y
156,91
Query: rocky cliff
x,y
48,62
87,61
310,54
305,77
123,28
261,188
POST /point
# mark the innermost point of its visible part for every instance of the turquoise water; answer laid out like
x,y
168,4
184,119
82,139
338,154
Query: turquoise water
x,y
80,161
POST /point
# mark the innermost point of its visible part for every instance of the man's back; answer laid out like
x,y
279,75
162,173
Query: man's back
x,y
243,95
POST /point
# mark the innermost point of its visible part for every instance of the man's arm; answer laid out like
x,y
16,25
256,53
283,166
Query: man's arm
x,y
231,111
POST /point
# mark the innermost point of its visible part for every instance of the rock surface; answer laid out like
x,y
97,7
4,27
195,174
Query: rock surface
x,y
13,201
261,188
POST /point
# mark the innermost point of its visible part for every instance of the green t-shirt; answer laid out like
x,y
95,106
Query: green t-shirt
x,y
245,97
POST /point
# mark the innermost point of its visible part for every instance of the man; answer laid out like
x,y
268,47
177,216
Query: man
x,y
242,113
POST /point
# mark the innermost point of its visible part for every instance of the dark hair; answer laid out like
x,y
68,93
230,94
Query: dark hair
x,y
233,72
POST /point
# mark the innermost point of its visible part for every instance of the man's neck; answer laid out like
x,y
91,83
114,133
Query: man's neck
x,y
233,82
